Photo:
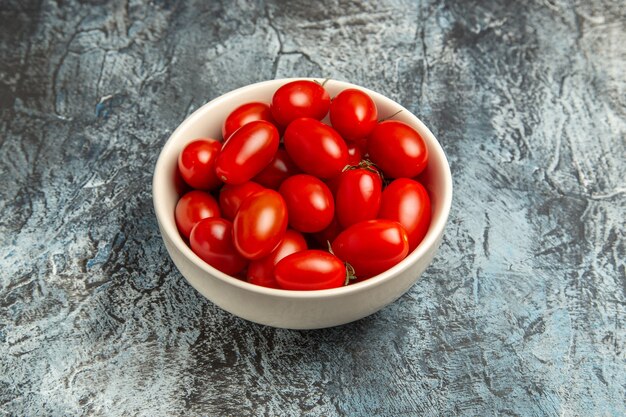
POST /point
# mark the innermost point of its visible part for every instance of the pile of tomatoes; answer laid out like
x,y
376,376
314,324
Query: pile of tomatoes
x,y
325,206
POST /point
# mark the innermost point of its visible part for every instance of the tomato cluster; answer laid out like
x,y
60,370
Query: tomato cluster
x,y
325,206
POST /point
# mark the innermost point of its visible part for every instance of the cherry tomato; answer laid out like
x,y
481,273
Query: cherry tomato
x,y
406,201
261,272
372,246
358,196
310,270
250,149
260,224
197,163
231,197
301,98
362,145
354,154
353,114
397,149
244,114
212,240
316,148
193,207
277,171
309,203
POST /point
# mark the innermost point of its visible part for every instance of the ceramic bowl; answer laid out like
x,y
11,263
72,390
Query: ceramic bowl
x,y
295,309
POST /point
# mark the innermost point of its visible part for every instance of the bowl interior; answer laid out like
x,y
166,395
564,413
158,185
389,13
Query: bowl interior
x,y
206,122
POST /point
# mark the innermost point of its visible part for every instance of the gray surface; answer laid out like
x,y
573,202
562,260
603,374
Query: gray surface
x,y
521,313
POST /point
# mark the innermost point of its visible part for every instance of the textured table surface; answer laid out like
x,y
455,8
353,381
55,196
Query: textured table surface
x,y
521,313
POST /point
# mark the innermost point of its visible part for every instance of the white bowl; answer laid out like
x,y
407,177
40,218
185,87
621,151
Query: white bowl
x,y
296,309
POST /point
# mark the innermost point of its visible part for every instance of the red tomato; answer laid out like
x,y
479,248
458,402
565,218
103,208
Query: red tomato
x,y
301,98
277,171
358,196
212,240
231,197
353,114
197,163
316,148
310,270
250,149
397,149
193,207
354,154
261,272
309,203
362,145
406,201
372,246
244,114
260,224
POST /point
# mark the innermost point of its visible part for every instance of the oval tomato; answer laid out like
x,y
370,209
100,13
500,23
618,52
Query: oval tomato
x,y
212,240
406,201
353,114
358,196
397,149
231,197
277,171
362,145
260,224
316,148
354,154
309,203
300,98
261,272
196,163
250,149
310,270
372,246
193,207
245,114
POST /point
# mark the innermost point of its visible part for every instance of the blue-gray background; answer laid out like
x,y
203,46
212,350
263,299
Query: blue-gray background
x,y
521,313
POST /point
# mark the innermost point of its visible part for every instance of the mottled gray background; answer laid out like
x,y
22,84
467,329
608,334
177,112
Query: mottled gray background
x,y
521,313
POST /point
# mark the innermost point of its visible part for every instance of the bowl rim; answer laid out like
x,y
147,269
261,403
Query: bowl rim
x,y
431,239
